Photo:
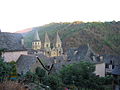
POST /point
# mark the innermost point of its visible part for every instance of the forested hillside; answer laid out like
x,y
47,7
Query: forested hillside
x,y
103,37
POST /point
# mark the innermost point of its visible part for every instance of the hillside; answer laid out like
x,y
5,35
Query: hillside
x,y
103,37
24,31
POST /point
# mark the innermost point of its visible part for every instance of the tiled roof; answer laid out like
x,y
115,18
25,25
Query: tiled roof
x,y
116,70
47,40
11,41
25,62
112,58
77,53
36,36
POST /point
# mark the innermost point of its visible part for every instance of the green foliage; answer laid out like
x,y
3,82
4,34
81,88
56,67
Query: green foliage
x,y
81,75
40,72
76,33
77,75
7,70
53,81
113,41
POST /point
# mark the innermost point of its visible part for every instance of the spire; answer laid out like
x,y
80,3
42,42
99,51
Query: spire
x,y
36,36
47,40
57,40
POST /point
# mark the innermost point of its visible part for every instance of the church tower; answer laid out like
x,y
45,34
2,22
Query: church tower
x,y
57,46
58,42
36,44
47,41
47,47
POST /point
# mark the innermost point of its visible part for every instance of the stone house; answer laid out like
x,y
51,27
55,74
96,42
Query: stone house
x,y
110,62
13,46
26,63
85,53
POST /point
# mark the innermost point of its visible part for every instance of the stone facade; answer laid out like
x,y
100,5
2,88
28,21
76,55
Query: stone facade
x,y
100,69
13,56
46,49
12,45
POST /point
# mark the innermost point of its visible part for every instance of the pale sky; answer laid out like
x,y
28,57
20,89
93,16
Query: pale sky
x,y
21,14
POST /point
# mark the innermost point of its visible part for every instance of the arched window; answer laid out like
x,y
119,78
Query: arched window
x,y
58,45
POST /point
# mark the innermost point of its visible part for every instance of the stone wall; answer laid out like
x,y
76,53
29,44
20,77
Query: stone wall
x,y
13,56
100,69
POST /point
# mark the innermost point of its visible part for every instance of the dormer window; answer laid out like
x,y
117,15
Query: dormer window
x,y
111,62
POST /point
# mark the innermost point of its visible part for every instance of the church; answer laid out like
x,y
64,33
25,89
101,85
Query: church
x,y
48,48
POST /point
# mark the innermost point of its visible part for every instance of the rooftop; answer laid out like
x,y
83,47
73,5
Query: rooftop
x,y
11,41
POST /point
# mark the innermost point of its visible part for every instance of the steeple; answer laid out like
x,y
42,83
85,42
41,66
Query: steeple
x,y
57,40
47,40
36,36
36,44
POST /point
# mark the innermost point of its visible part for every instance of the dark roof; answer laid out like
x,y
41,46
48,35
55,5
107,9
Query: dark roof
x,y
47,40
25,62
57,39
114,59
11,41
77,53
116,70
36,36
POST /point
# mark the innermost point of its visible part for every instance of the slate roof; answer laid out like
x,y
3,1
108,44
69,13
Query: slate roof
x,y
47,40
25,62
11,41
116,70
112,58
36,36
77,54
57,39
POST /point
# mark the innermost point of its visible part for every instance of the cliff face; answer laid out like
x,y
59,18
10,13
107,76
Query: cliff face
x,y
103,37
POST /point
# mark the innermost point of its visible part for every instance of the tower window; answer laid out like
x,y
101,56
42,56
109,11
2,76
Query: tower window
x,y
46,45
58,45
59,52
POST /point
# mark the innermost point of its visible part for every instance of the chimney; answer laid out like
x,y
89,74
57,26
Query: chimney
x,y
101,58
22,41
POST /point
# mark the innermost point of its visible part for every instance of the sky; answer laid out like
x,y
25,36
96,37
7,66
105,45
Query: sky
x,y
21,14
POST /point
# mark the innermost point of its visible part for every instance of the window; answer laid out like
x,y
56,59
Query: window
x,y
59,52
46,45
111,62
48,52
58,45
106,66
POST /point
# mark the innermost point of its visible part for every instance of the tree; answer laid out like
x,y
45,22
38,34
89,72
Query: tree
x,y
7,70
53,81
40,73
79,74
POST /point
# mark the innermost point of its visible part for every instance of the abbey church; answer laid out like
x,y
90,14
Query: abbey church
x,y
48,48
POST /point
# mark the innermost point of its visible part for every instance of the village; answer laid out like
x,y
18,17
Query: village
x,y
51,55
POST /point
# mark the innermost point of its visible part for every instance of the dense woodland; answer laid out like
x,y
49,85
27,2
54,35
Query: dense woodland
x,y
103,37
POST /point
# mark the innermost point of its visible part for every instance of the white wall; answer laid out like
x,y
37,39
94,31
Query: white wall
x,y
13,56
100,69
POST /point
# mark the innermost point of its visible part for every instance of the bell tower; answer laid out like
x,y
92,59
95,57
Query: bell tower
x,y
36,44
58,45
47,41
47,47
